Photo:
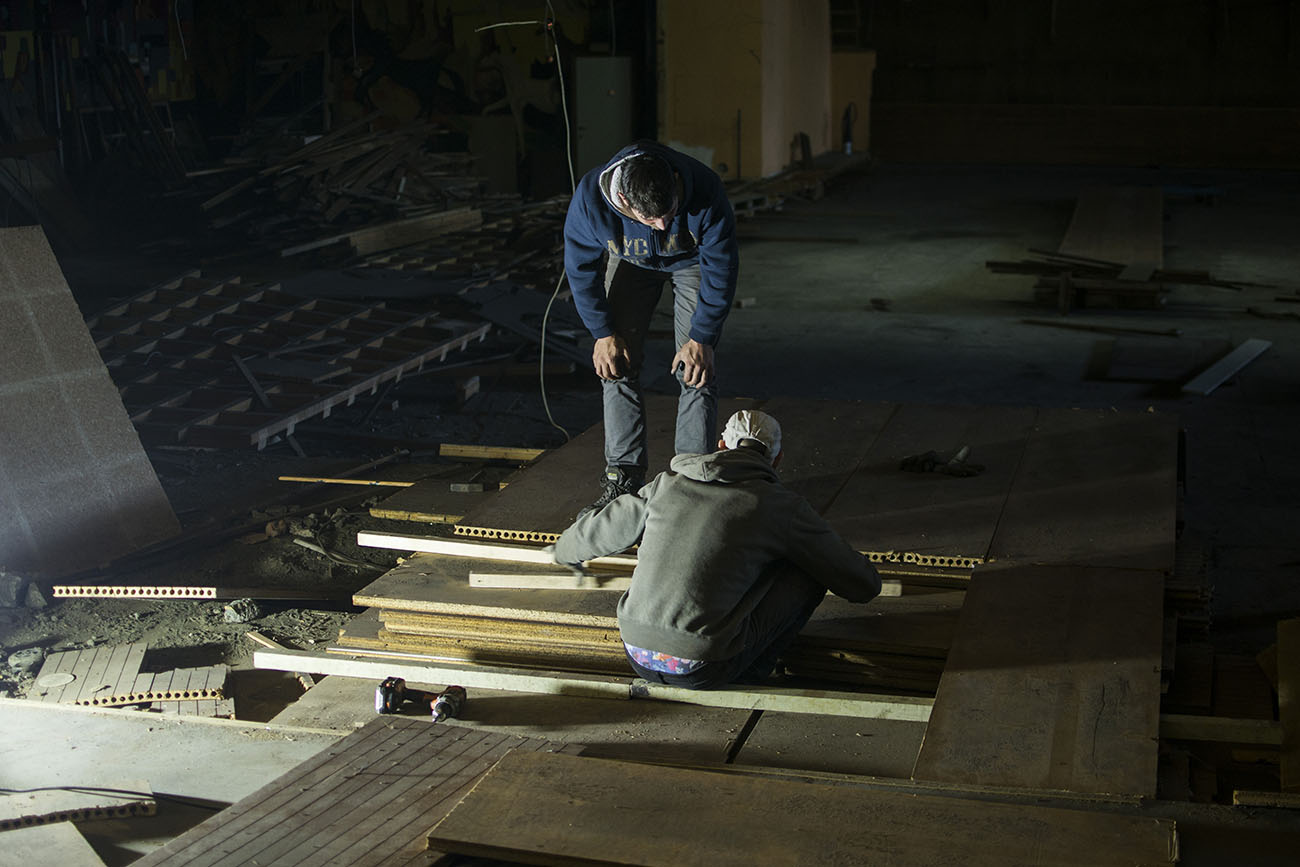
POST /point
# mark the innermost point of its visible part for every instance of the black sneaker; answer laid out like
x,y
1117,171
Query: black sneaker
x,y
616,482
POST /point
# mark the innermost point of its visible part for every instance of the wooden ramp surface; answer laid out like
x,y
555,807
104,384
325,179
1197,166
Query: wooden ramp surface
x,y
1124,225
1053,682
554,809
369,799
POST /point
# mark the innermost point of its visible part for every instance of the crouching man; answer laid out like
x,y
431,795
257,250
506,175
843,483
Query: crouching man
x,y
730,566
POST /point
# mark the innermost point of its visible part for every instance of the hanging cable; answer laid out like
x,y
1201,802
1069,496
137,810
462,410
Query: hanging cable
x,y
176,8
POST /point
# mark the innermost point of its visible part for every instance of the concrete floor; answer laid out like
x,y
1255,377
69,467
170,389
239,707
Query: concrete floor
x,y
918,237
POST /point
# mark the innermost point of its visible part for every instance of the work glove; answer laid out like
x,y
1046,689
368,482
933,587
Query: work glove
x,y
578,569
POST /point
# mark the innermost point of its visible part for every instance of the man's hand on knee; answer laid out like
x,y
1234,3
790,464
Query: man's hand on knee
x,y
611,357
696,361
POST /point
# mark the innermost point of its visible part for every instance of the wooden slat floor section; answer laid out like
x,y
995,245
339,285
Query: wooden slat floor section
x,y
1053,682
557,809
91,674
368,800
1124,225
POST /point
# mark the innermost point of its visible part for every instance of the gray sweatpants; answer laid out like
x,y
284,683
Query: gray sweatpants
x,y
633,293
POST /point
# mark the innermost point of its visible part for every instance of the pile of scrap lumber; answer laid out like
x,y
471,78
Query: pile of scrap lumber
x,y
352,176
1112,255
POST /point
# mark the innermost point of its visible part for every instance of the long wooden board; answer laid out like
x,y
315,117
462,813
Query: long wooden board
x,y
883,507
1053,682
1095,488
368,799
550,809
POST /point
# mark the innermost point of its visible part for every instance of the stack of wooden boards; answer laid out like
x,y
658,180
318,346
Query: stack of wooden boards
x,y
1079,488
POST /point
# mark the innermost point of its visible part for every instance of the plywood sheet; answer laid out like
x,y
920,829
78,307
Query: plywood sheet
x,y
76,487
1053,682
557,809
885,508
1094,488
369,799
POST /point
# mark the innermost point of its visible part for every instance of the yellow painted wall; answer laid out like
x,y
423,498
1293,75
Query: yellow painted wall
x,y
769,60
851,75
796,79
710,69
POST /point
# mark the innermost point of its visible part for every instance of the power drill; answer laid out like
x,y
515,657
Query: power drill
x,y
393,692
449,703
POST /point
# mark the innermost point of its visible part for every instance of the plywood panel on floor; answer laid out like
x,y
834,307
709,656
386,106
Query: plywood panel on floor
x,y
823,442
1053,682
60,843
367,799
884,508
1095,488
556,809
76,487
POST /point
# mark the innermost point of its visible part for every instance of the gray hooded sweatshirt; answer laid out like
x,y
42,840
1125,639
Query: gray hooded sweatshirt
x,y
708,529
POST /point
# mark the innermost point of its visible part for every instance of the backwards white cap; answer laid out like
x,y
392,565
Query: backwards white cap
x,y
750,424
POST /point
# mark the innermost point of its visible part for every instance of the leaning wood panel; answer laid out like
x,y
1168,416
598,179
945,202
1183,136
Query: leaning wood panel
x,y
883,507
1053,682
1124,225
1288,701
552,809
1095,488
368,798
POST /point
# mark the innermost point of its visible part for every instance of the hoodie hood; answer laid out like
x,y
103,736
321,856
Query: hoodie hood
x,y
728,466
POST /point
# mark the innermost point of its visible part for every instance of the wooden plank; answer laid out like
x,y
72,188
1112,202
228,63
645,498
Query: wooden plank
x,y
59,843
937,516
1053,682
1223,369
1094,488
1248,798
490,453
553,809
1124,225
477,550
1219,729
1288,701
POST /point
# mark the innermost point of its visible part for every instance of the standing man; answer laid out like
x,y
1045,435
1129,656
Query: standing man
x,y
730,563
651,215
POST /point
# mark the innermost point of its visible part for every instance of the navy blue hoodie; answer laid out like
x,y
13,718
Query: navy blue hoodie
x,y
702,231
